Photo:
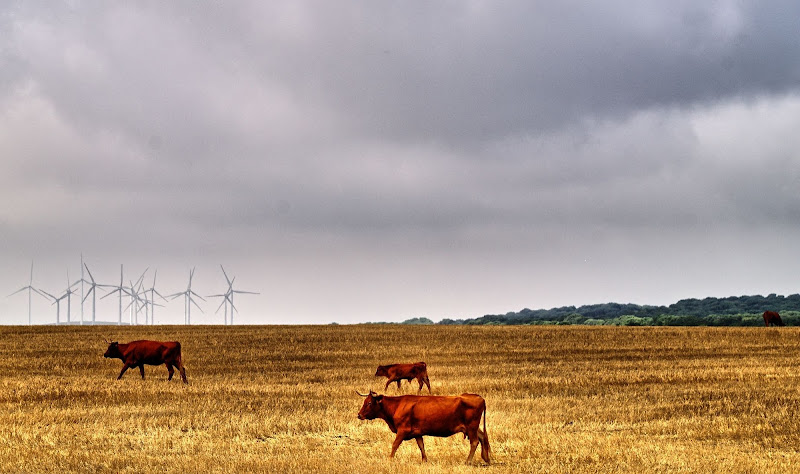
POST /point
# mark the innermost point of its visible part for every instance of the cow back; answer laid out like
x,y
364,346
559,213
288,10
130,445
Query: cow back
x,y
152,352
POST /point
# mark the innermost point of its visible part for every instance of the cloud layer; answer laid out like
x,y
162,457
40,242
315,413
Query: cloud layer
x,y
381,162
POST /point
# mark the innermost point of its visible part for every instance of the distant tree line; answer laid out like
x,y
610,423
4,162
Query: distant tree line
x,y
730,311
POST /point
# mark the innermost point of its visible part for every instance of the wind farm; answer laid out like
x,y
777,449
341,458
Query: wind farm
x,y
128,301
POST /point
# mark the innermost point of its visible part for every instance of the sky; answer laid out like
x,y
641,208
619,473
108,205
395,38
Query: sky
x,y
380,161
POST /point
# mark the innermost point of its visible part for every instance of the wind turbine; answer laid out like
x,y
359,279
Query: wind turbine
x,y
83,280
93,290
225,300
229,294
68,293
30,289
85,294
136,300
119,289
188,300
57,301
152,301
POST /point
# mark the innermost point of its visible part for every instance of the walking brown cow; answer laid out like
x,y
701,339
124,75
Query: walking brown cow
x,y
138,353
771,317
400,372
414,416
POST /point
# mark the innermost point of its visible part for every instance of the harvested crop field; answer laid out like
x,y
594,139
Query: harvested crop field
x,y
283,399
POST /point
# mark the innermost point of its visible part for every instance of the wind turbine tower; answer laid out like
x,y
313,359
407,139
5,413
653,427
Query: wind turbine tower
x,y
188,300
31,290
152,301
136,300
119,289
68,294
57,302
231,292
93,290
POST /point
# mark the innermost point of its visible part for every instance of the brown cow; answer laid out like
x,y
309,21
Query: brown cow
x,y
400,372
138,353
771,317
414,416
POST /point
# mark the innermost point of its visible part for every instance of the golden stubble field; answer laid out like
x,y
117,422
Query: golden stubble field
x,y
282,399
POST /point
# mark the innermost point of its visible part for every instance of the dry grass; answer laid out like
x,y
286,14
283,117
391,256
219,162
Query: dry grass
x,y
282,399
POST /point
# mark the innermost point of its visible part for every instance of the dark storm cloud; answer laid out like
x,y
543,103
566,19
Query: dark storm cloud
x,y
460,72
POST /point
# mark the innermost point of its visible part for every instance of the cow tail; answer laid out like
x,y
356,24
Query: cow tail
x,y
179,353
486,433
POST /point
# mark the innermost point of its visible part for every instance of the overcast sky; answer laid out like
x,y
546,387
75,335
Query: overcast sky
x,y
378,161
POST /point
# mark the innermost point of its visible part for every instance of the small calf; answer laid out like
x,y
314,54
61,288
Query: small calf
x,y
400,372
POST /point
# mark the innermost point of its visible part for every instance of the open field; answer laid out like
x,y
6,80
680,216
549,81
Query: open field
x,y
282,398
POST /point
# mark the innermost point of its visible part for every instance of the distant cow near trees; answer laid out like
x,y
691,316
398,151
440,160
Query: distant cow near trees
x,y
400,372
414,416
773,318
138,353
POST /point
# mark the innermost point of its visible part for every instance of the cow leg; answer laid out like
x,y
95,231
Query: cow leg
x,y
170,370
398,383
422,382
421,445
387,384
396,444
124,368
141,370
484,445
473,445
182,369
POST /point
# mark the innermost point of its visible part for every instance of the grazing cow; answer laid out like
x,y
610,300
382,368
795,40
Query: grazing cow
x,y
138,353
414,416
400,372
771,317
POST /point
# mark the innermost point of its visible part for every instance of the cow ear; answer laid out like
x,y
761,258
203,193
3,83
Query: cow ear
x,y
379,398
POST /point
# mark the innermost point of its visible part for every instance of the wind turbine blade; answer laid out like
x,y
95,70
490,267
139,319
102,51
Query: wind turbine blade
x,y
192,301
142,277
14,293
116,289
159,294
246,292
87,293
226,275
195,294
90,273
48,294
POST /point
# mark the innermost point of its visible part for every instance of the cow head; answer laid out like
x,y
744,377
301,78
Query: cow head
x,y
113,351
382,372
372,407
